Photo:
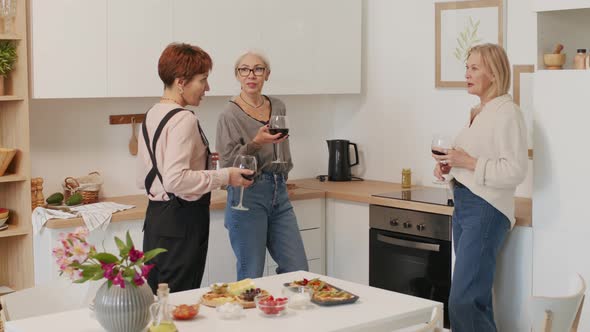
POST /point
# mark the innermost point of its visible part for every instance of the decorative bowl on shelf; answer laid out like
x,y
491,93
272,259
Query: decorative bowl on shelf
x,y
3,221
6,156
4,213
554,61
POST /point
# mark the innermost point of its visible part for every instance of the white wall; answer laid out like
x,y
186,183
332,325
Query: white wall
x,y
73,137
392,120
400,109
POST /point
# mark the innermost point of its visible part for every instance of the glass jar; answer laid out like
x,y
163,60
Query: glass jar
x,y
580,59
406,178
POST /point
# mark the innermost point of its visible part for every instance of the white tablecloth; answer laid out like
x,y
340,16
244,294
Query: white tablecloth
x,y
376,310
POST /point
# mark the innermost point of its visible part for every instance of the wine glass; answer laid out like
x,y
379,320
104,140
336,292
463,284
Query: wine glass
x,y
7,12
278,124
440,142
244,162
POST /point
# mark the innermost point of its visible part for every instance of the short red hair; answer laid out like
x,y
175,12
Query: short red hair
x,y
182,61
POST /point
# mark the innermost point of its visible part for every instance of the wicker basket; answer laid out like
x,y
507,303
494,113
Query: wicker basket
x,y
88,186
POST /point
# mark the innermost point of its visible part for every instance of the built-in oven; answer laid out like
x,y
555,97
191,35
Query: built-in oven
x,y
410,253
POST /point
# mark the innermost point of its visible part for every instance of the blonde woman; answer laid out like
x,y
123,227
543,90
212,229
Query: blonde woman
x,y
488,161
270,221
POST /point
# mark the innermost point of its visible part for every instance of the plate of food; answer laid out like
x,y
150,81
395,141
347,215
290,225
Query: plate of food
x,y
242,292
324,293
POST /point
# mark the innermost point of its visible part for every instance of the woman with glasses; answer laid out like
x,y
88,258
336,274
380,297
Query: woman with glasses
x,y
173,168
270,221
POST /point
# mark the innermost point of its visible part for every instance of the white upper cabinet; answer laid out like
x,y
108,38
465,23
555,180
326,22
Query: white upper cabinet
x,y
137,32
224,29
314,47
550,5
69,48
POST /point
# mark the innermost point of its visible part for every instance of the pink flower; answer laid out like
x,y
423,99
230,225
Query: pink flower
x,y
59,252
138,280
81,233
80,251
108,270
118,280
135,255
145,270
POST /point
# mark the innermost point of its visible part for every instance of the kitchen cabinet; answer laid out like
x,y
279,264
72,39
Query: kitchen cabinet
x,y
552,5
110,48
513,281
69,48
347,240
221,262
136,38
16,246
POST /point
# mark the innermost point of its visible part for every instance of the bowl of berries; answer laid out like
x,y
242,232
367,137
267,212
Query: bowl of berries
x,y
271,306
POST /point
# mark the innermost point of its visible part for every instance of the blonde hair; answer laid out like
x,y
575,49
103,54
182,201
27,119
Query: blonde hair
x,y
495,60
256,53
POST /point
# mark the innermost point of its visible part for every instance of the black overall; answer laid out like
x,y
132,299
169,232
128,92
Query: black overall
x,y
180,226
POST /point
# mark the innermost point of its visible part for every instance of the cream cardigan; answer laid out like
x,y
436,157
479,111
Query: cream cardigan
x,y
497,139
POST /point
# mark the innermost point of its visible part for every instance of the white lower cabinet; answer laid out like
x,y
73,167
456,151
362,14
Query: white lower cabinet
x,y
347,240
221,262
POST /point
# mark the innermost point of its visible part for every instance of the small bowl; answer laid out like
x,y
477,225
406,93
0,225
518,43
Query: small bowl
x,y
185,311
554,61
3,221
299,297
230,310
4,213
270,306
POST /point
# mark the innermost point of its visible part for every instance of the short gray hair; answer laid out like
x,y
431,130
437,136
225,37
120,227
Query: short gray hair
x,y
257,53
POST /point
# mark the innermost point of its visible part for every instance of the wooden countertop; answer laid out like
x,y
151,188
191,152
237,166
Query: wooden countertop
x,y
218,199
354,191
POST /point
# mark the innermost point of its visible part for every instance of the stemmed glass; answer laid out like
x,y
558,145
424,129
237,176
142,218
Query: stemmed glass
x,y
440,143
244,162
8,12
278,124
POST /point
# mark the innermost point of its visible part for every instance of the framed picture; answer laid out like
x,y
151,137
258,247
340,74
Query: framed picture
x,y
459,26
523,96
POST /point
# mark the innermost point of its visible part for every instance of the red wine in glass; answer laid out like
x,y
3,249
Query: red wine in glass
x,y
438,153
283,131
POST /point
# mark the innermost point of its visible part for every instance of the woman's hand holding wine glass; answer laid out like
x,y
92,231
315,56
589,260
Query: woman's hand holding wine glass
x,y
247,165
440,147
265,137
238,177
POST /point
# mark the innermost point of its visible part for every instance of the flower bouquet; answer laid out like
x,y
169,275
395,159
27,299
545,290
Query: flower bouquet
x,y
80,261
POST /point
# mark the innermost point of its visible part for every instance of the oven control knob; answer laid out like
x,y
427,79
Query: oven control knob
x,y
407,224
393,222
421,227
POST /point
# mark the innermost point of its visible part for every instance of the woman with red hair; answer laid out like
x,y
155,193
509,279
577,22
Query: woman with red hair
x,y
173,161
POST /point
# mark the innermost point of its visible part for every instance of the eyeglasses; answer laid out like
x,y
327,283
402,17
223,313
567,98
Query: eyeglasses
x,y
245,72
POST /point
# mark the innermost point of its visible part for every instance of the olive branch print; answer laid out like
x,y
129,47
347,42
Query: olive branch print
x,y
467,39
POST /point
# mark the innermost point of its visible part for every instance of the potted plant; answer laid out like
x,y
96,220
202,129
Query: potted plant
x,y
7,59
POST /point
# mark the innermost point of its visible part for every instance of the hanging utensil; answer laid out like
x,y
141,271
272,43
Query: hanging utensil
x,y
133,140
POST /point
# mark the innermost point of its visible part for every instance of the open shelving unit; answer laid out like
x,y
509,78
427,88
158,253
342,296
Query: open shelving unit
x,y
16,242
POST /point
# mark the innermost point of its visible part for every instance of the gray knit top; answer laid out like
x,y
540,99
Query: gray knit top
x,y
235,132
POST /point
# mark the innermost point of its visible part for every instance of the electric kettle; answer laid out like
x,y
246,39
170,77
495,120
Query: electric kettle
x,y
339,164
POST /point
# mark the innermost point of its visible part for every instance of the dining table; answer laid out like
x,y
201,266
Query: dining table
x,y
375,310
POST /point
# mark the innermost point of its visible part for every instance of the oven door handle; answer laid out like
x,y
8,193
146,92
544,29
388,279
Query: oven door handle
x,y
409,244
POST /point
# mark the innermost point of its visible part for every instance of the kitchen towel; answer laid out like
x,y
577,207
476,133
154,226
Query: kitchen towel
x,y
94,215
99,214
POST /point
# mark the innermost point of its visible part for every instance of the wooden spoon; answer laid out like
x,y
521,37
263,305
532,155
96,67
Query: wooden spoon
x,y
133,140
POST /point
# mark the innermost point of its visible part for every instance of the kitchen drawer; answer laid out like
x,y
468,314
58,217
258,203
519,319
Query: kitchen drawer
x,y
312,241
310,213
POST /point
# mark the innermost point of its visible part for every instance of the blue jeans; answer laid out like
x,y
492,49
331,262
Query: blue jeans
x,y
270,223
479,230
